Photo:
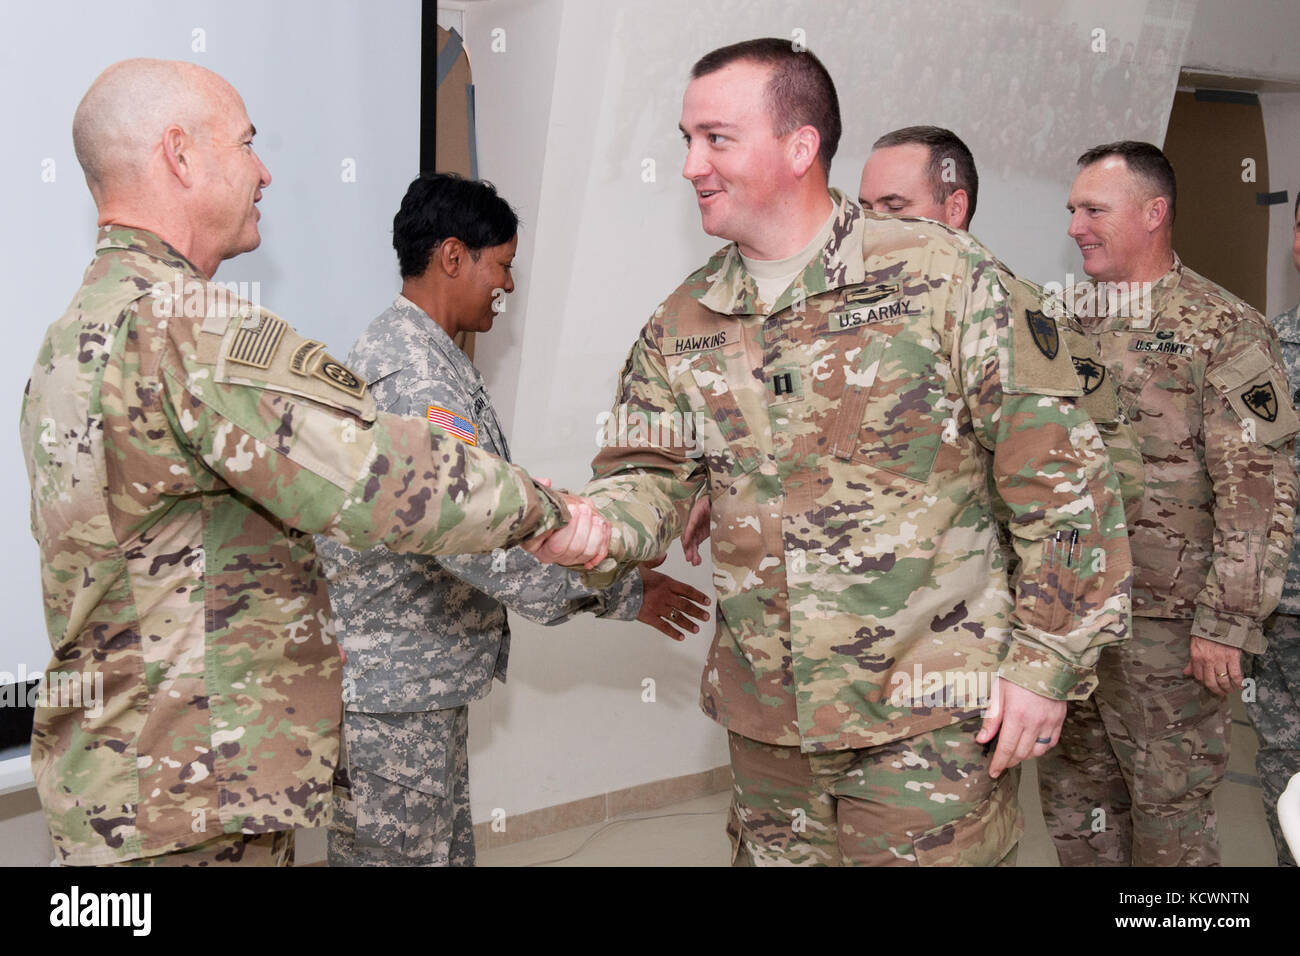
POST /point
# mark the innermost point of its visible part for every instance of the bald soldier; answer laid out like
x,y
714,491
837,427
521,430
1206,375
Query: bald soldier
x,y
856,379
182,446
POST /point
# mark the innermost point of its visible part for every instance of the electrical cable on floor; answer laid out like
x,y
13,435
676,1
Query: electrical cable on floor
x,y
614,823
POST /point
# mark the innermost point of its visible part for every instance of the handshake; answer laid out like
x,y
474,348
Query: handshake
x,y
667,604
584,541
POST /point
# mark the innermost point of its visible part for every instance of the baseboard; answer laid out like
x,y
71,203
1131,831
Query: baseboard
x,y
616,803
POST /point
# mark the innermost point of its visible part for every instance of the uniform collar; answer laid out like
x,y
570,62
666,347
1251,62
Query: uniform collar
x,y
1163,289
733,291
132,239
1139,307
420,325
1287,324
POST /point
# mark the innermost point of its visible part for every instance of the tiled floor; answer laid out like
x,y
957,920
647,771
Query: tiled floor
x,y
691,833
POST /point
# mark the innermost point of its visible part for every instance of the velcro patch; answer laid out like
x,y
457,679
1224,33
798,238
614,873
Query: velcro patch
x,y
677,345
1039,362
1099,398
1043,330
453,424
1255,390
256,341
867,315
306,357
1091,374
1161,346
872,294
784,386
339,375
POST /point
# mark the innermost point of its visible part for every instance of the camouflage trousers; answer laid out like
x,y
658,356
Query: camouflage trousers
x,y
1132,779
924,801
1275,712
408,801
232,849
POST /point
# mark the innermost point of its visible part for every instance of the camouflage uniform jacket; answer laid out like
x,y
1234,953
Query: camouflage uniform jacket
x,y
1199,374
1099,398
1287,327
1047,313
182,447
846,439
426,633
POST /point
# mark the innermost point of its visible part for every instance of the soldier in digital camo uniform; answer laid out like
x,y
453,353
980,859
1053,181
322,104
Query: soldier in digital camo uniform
x,y
857,378
182,447
1199,374
425,636
1275,708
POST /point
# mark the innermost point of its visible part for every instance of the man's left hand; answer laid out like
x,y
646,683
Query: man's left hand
x,y
1020,719
667,602
1215,665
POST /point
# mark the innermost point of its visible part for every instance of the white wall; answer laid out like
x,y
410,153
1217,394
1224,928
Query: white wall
x,y
1249,38
324,81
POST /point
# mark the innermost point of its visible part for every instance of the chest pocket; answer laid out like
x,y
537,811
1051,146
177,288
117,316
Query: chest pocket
x,y
893,411
730,448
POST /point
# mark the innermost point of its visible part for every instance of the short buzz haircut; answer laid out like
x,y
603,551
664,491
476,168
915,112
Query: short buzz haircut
x,y
799,92
440,206
946,148
1148,163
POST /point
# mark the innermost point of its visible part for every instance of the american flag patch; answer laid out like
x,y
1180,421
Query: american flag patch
x,y
462,428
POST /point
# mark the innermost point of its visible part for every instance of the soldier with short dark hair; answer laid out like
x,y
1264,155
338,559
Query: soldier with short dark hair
x,y
183,445
425,636
1200,375
921,171
857,380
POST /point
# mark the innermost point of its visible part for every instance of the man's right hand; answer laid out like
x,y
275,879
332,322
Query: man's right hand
x,y
697,530
668,604
583,541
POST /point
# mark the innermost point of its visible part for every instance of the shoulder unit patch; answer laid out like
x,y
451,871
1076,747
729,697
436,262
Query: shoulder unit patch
x,y
1043,330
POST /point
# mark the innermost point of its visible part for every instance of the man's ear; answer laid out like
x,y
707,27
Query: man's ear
x,y
955,207
452,256
1157,213
804,145
178,154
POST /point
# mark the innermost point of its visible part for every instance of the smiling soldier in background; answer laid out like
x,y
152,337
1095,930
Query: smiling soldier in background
x,y
426,635
1200,375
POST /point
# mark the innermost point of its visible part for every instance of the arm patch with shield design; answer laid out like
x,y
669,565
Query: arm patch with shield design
x,y
1040,359
1256,391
